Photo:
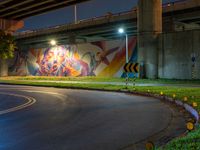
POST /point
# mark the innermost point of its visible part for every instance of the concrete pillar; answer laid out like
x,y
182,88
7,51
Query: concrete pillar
x,y
9,26
149,28
3,68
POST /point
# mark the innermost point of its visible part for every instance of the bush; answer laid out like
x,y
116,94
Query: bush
x,y
7,45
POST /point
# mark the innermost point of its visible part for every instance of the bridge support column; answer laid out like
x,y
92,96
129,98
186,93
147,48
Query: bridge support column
x,y
9,26
149,28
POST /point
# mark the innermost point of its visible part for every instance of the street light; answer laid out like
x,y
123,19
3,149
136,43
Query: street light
x,y
53,42
122,31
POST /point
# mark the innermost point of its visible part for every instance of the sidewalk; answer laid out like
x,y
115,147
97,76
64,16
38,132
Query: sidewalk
x,y
119,83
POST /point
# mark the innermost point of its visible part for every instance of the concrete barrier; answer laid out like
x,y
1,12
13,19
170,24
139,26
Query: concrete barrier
x,y
187,107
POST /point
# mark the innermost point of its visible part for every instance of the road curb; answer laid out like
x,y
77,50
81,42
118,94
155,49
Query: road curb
x,y
177,102
186,106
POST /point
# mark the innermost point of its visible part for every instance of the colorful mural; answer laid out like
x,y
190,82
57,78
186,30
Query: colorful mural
x,y
105,58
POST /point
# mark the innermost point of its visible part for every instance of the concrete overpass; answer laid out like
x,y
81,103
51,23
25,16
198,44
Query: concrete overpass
x,y
148,21
12,11
20,9
177,16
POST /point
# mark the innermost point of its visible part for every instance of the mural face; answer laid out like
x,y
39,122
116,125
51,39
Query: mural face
x,y
92,59
61,61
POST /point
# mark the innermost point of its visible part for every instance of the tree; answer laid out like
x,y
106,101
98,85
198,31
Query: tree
x,y
7,45
7,48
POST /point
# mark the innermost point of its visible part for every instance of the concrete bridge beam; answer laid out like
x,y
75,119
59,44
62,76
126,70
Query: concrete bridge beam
x,y
149,28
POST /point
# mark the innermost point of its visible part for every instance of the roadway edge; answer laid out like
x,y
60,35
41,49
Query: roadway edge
x,y
178,103
190,109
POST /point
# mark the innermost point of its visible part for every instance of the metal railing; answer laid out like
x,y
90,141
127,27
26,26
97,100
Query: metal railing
x,y
108,15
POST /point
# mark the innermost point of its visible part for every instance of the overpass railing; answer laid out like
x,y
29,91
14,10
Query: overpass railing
x,y
83,21
27,33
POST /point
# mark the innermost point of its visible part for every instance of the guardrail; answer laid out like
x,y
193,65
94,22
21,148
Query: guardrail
x,y
108,15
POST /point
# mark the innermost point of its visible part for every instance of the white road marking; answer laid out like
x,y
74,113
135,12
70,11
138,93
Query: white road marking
x,y
30,101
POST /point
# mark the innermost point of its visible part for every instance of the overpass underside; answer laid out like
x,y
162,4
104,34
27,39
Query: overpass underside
x,y
21,9
12,12
176,17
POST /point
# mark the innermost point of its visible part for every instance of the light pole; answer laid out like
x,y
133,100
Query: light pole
x,y
126,48
75,14
121,31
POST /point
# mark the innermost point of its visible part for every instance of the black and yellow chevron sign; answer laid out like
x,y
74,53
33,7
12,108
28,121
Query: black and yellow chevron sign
x,y
131,67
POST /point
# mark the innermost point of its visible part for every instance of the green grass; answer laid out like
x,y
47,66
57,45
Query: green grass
x,y
189,142
101,79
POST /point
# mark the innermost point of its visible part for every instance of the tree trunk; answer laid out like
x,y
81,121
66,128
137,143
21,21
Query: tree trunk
x,y
3,68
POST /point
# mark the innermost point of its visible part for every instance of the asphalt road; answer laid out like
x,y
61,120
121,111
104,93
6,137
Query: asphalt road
x,y
64,119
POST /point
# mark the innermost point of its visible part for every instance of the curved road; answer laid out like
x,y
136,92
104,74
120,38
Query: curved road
x,y
64,119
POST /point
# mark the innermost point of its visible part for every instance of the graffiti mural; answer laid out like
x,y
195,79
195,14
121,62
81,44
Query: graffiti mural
x,y
105,58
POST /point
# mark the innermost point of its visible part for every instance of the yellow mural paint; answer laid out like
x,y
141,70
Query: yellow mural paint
x,y
118,61
76,55
114,66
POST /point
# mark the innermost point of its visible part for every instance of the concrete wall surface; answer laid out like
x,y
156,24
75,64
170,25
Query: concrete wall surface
x,y
179,55
178,58
103,58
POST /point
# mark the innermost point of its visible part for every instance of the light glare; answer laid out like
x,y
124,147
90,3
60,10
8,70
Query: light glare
x,y
53,42
121,30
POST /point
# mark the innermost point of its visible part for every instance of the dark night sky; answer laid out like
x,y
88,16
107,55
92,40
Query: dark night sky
x,y
85,10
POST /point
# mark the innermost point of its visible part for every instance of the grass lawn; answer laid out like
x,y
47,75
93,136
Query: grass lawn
x,y
189,142
101,79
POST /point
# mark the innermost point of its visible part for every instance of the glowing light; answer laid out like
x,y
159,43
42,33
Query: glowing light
x,y
185,99
161,93
194,104
174,95
190,126
53,42
121,30
149,145
168,4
